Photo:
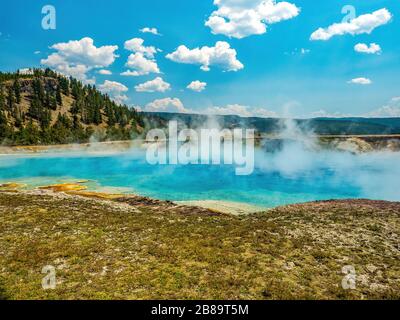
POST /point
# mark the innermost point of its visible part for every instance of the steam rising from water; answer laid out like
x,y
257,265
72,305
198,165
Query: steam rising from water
x,y
294,170
377,173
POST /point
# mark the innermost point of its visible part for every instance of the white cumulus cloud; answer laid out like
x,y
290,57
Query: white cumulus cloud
x,y
362,80
175,105
76,57
150,30
140,65
136,45
221,55
166,105
104,72
327,114
112,87
243,18
142,61
156,85
115,90
391,110
362,24
197,86
240,110
373,48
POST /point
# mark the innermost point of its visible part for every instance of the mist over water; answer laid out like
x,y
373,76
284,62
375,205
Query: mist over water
x,y
374,175
294,171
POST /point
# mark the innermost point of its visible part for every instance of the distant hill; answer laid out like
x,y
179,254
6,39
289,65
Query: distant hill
x,y
47,108
321,126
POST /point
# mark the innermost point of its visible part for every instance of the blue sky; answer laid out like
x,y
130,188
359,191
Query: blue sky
x,y
284,72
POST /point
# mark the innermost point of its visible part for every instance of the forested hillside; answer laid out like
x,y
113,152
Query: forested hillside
x,y
320,126
47,108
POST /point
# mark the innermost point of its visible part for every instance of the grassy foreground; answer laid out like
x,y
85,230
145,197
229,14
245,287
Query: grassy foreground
x,y
138,248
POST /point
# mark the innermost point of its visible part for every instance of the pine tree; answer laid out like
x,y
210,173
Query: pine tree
x,y
10,99
4,129
39,90
75,122
45,119
30,135
3,119
35,109
18,116
58,96
48,100
110,115
97,116
64,84
17,91
74,108
53,103
2,99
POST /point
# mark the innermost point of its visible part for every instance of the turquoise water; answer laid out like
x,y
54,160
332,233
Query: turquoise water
x,y
287,177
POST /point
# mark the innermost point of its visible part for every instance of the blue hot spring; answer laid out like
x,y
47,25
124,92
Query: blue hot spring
x,y
291,175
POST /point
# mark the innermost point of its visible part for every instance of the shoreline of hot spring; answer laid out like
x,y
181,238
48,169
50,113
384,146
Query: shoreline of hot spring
x,y
349,143
80,188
